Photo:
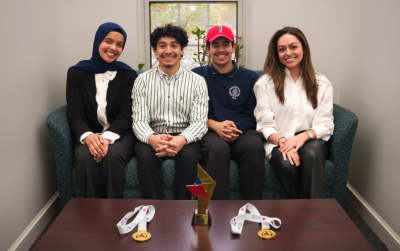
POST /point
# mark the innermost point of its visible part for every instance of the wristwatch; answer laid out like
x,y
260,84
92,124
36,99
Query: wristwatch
x,y
310,134
277,142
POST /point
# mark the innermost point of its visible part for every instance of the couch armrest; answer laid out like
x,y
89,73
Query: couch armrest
x,y
341,143
61,139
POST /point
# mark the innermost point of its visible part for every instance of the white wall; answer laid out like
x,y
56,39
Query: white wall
x,y
86,16
40,40
370,88
32,71
320,21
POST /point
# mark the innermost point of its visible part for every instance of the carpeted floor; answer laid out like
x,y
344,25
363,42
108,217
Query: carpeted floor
x,y
372,238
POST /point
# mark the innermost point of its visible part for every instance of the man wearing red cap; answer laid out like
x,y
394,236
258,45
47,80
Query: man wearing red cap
x,y
231,121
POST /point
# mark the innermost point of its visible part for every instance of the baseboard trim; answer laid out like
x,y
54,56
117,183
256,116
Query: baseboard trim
x,y
373,219
33,230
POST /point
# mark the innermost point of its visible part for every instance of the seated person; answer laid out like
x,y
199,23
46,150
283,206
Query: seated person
x,y
294,112
231,121
99,109
170,107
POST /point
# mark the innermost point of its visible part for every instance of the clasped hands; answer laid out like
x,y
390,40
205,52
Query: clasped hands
x,y
166,145
227,130
98,146
290,146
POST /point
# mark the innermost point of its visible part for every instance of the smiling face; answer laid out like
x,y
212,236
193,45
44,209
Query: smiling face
x,y
111,47
221,50
168,51
290,51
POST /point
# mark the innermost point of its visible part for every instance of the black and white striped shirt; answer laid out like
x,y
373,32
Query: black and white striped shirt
x,y
170,105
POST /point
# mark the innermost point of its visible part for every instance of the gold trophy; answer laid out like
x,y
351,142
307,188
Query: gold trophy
x,y
203,189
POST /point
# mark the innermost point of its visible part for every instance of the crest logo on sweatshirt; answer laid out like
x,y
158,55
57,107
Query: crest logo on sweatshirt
x,y
234,91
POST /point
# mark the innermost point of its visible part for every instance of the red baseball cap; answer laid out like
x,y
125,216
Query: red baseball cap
x,y
219,31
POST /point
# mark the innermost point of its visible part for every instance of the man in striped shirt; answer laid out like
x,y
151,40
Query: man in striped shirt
x,y
170,106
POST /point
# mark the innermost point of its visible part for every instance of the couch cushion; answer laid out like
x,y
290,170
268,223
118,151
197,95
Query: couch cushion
x,y
131,175
271,190
271,181
271,194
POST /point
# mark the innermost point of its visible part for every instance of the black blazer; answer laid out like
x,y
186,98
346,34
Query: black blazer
x,y
82,105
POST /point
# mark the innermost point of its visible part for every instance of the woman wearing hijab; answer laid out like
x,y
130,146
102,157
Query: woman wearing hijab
x,y
294,112
99,109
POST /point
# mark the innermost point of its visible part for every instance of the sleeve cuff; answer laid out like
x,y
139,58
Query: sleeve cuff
x,y
321,131
82,138
189,138
268,131
110,136
146,136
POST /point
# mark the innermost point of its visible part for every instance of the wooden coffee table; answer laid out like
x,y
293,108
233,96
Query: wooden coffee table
x,y
90,224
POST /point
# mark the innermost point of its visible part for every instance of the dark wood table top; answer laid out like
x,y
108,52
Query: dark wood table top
x,y
90,224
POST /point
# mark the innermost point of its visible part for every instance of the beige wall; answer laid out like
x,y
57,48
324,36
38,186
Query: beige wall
x,y
370,88
40,40
32,70
86,16
354,43
320,21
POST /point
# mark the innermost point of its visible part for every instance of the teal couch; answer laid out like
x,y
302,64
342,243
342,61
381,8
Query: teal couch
x,y
336,166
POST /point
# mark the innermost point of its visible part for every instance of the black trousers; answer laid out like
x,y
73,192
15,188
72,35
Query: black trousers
x,y
150,176
306,180
105,179
247,150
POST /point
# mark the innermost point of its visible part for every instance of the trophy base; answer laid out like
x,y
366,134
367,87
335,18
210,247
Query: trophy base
x,y
201,219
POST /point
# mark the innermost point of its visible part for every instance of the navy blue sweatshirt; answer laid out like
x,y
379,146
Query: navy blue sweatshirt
x,y
231,95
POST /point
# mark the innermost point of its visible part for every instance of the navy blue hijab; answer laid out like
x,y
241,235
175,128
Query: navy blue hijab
x,y
96,64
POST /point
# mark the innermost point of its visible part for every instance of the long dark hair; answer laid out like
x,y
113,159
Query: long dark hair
x,y
276,69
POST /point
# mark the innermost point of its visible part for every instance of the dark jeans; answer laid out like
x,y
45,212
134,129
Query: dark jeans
x,y
150,176
306,180
105,179
247,150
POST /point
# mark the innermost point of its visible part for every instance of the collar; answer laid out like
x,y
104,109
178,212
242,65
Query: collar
x,y
109,75
290,76
230,74
163,74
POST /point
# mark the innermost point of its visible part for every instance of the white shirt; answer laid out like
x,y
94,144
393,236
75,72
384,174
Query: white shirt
x,y
178,104
102,80
297,113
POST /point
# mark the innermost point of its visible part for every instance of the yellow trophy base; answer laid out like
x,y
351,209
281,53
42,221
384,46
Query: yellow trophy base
x,y
201,219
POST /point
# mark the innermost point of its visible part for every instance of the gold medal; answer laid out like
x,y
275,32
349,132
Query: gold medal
x,y
141,236
266,234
